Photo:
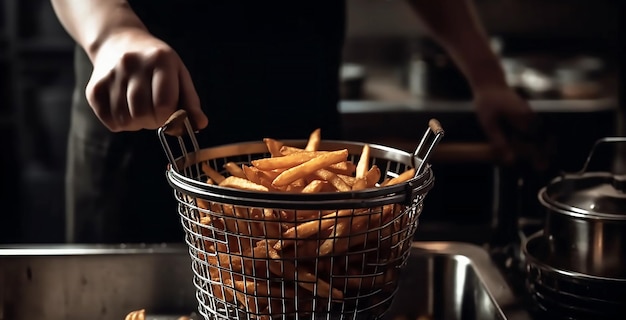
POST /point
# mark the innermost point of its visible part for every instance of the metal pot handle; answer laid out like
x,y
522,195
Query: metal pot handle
x,y
618,181
593,149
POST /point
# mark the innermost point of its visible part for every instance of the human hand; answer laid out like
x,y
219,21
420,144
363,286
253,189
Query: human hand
x,y
138,81
511,126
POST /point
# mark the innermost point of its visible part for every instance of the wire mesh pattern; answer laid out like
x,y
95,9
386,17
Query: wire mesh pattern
x,y
282,255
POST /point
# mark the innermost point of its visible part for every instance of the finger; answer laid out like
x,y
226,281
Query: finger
x,y
139,97
97,94
120,115
164,93
188,100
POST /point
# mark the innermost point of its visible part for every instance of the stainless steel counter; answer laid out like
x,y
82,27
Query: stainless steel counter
x,y
443,280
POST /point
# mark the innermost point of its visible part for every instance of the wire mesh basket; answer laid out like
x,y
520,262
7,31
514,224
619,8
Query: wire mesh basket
x,y
286,255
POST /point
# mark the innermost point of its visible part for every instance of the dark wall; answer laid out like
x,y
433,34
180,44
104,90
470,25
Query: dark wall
x,y
34,119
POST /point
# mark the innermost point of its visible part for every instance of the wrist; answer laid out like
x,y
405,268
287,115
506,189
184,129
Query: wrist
x,y
112,34
476,60
486,75
114,21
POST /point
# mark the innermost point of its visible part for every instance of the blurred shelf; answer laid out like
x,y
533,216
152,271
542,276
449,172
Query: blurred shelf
x,y
426,106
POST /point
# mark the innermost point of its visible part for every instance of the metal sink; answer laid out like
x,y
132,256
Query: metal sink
x,y
443,280
453,281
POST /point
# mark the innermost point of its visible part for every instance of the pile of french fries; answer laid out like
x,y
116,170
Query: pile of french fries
x,y
272,261
141,315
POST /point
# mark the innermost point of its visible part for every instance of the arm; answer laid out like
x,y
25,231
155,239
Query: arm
x,y
91,22
455,26
138,81
505,118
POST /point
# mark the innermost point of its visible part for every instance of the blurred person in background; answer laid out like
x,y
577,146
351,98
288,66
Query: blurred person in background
x,y
243,70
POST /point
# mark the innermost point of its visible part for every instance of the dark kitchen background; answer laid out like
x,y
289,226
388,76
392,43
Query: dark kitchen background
x,y
560,54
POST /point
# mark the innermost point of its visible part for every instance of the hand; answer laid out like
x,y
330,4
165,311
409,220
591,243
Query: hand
x,y
138,81
510,125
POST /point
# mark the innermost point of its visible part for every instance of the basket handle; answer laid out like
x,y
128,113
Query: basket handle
x,y
435,128
175,126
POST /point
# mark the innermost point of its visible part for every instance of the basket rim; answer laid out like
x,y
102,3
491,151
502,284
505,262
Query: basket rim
x,y
398,193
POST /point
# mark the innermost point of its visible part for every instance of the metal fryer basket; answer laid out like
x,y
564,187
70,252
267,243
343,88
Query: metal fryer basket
x,y
246,263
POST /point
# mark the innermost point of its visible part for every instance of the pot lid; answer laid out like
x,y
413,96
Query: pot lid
x,y
593,193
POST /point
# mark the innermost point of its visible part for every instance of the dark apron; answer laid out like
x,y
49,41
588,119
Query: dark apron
x,y
264,69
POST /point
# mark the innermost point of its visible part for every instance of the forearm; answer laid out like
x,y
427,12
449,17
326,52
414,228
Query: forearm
x,y
455,26
91,22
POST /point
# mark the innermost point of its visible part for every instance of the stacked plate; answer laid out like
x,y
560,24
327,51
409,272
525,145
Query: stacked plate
x,y
561,292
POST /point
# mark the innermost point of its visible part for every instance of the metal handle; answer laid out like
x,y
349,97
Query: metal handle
x,y
435,128
175,126
593,149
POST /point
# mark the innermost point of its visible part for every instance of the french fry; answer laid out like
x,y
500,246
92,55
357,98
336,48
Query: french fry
x,y
342,244
264,295
347,179
340,230
359,184
287,161
267,183
307,229
302,170
345,168
211,173
313,187
251,173
404,176
248,227
363,164
231,226
273,147
270,174
246,293
333,179
372,176
136,315
234,170
305,279
296,186
270,226
286,150
243,184
225,292
314,140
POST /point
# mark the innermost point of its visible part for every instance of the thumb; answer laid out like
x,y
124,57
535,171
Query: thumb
x,y
190,102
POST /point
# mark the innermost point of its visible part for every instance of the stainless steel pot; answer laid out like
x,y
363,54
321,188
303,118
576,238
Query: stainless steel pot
x,y
558,291
586,220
